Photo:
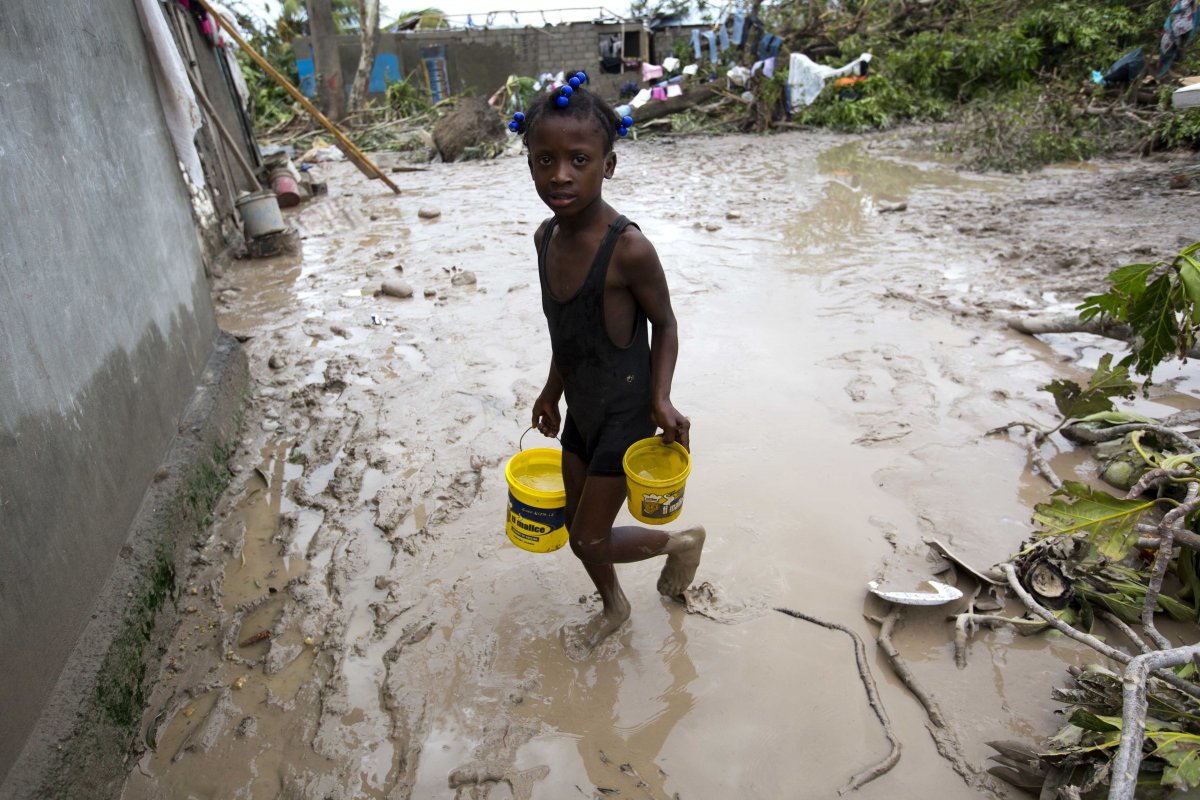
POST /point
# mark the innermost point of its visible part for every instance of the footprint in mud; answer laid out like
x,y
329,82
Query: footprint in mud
x,y
710,601
477,777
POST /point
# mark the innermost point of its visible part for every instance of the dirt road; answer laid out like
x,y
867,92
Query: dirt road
x,y
841,361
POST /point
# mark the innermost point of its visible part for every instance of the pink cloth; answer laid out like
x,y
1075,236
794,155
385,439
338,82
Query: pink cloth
x,y
650,71
658,93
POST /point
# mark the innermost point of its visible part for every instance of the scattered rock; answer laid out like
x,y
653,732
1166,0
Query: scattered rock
x,y
429,213
431,292
712,227
396,289
247,728
886,206
465,278
1180,181
733,214
338,330
276,361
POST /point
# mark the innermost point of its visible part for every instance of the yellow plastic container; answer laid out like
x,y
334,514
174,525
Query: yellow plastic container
x,y
655,474
537,501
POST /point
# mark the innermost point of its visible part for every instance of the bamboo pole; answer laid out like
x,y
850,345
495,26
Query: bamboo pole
x,y
348,147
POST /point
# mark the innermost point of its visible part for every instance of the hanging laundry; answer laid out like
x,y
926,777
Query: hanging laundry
x,y
711,38
696,43
651,71
1178,32
1125,70
806,78
670,64
641,99
768,46
674,90
738,36
767,66
722,38
658,93
738,75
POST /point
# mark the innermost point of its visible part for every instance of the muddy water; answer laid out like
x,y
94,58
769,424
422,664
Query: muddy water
x,y
839,396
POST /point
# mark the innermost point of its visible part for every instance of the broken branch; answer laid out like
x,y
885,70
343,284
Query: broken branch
x,y
864,673
1134,703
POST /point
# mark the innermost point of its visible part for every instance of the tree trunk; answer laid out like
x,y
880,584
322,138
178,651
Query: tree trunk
x,y
331,93
368,20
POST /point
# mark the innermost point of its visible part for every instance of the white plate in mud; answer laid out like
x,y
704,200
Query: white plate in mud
x,y
942,593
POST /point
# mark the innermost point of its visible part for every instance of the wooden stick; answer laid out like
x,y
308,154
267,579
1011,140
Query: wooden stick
x,y
224,132
352,152
868,681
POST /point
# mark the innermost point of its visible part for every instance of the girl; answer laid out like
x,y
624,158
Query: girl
x,y
601,283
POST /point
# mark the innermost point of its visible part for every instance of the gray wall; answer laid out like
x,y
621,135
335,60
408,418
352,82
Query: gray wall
x,y
481,59
105,323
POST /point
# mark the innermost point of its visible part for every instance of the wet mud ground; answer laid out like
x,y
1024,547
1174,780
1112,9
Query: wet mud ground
x,y
841,365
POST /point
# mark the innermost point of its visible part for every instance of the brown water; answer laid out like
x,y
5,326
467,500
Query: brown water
x,y
839,404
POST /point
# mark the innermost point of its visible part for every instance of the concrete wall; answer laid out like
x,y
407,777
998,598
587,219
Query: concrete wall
x,y
105,324
481,59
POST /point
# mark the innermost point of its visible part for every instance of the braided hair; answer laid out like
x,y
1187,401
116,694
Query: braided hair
x,y
580,104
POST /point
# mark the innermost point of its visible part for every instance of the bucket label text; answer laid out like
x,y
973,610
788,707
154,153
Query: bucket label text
x,y
657,506
530,523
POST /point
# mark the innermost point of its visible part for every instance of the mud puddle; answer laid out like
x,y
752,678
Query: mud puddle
x,y
840,361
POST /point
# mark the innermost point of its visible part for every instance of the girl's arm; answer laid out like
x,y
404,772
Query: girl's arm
x,y
546,417
648,283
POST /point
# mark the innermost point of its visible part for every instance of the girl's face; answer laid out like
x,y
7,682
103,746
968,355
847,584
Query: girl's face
x,y
568,163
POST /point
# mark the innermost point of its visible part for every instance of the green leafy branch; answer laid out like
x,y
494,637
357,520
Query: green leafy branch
x,y
1159,301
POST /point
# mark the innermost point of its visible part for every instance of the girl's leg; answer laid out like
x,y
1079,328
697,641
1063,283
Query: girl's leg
x,y
580,639
593,502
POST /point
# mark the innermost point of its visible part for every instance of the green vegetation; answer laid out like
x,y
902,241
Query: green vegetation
x,y
1159,301
1123,559
1014,75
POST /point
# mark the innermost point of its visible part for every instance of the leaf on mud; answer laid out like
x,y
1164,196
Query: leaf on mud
x,y
1082,718
1152,314
1189,276
1118,418
1110,522
1181,751
1106,382
1127,283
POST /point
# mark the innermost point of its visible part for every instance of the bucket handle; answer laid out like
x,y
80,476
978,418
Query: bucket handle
x,y
521,441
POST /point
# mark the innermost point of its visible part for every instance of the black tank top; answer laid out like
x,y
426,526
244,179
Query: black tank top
x,y
599,378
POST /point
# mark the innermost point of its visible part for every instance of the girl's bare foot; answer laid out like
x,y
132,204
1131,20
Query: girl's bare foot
x,y
683,557
580,640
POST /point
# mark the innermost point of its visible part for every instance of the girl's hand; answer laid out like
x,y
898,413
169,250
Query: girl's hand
x,y
675,426
545,415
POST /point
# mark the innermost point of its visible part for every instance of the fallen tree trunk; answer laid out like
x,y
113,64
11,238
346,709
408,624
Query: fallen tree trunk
x,y
1069,323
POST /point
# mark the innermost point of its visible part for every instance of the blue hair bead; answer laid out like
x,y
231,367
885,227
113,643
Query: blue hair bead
x,y
621,131
514,126
566,91
627,121
575,82
519,117
582,76
562,100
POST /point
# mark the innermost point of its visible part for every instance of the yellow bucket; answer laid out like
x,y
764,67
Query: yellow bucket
x,y
655,474
537,501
